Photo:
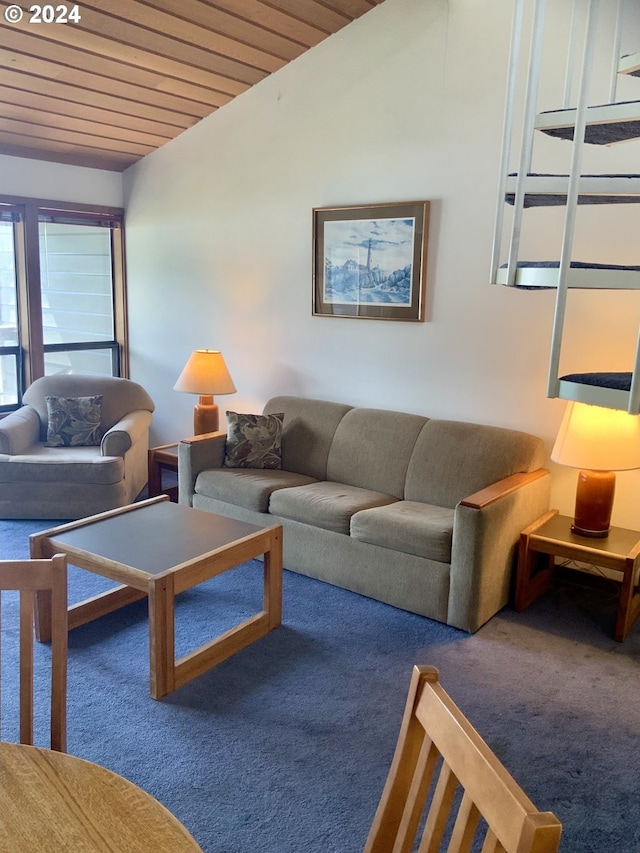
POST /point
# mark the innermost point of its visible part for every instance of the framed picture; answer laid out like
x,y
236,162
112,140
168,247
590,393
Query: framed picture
x,y
370,262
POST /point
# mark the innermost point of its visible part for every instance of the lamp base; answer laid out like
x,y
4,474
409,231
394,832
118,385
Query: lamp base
x,y
205,415
594,502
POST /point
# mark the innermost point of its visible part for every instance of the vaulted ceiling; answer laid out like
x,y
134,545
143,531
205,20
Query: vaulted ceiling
x,y
130,75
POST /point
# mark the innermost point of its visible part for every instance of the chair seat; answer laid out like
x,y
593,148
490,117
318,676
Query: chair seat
x,y
408,526
62,464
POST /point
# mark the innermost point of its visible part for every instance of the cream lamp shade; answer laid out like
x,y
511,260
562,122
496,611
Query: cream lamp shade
x,y
205,374
599,441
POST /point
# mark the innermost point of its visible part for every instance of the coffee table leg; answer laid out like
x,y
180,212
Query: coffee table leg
x,y
42,608
165,672
161,636
273,580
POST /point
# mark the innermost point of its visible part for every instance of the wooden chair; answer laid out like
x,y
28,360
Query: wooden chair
x,y
442,766
30,577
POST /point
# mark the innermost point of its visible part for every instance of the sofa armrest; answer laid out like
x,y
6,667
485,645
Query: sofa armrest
x,y
504,487
124,434
486,532
19,430
195,454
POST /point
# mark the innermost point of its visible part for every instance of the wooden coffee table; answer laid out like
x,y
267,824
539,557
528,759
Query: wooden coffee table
x,y
158,549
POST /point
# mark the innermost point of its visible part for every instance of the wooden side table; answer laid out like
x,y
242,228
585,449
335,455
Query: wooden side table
x,y
163,458
551,536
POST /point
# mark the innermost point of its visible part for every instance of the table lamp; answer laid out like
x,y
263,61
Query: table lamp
x,y
599,441
206,374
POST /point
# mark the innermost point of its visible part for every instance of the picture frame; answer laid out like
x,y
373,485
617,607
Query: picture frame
x,y
369,261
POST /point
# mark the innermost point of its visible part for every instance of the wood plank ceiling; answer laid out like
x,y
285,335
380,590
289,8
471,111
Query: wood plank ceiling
x,y
132,74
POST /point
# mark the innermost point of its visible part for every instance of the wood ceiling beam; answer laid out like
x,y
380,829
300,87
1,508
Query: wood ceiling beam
x,y
28,51
110,161
79,96
19,104
132,74
196,47
219,74
193,23
51,133
261,15
315,13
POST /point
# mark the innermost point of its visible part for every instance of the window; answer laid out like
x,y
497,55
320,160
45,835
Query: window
x,y
62,294
9,340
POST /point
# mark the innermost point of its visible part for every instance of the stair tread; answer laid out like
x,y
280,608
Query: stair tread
x,y
546,190
605,123
582,275
611,390
630,64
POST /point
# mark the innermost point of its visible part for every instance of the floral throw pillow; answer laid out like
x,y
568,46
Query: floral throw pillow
x,y
253,441
74,421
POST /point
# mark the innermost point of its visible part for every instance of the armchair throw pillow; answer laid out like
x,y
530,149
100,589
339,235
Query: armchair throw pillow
x,y
74,421
253,441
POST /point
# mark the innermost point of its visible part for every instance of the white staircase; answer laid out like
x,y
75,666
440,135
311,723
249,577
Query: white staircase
x,y
576,122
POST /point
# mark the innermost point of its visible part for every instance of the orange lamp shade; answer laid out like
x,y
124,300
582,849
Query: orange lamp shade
x,y
205,374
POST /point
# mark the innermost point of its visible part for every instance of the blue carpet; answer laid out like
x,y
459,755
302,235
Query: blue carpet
x,y
285,747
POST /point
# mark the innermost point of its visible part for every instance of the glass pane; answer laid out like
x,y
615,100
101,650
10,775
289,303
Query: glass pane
x,y
8,301
76,283
8,380
84,361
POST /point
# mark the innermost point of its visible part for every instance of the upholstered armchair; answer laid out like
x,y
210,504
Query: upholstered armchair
x,y
77,446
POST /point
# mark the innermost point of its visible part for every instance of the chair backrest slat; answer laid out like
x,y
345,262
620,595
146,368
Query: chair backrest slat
x,y
419,782
46,579
491,843
464,829
473,793
26,666
439,811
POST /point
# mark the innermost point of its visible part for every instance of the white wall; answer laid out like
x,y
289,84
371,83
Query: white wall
x,y
58,182
405,103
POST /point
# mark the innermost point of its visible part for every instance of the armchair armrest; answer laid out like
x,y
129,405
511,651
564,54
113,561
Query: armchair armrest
x,y
486,532
125,433
195,454
19,430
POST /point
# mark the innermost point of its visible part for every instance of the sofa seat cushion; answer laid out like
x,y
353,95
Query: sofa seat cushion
x,y
325,504
62,465
250,488
423,530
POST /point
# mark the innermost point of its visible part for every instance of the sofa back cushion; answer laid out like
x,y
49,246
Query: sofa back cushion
x,y
371,449
452,460
307,432
119,396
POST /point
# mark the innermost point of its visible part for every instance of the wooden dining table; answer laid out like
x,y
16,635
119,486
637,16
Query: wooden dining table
x,y
52,802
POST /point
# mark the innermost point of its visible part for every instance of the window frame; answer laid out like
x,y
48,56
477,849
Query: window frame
x,y
31,347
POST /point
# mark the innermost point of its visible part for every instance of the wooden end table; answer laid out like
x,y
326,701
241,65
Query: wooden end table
x,y
551,536
157,549
163,458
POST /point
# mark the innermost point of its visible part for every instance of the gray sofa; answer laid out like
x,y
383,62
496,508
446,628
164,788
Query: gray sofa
x,y
420,513
37,481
